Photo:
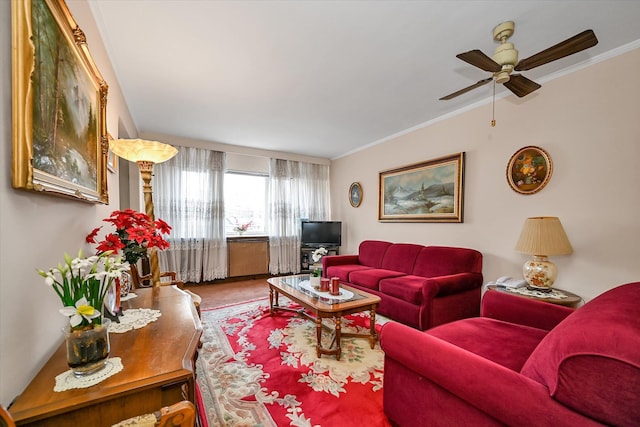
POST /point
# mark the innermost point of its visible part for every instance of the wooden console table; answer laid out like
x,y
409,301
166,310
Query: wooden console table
x,y
159,370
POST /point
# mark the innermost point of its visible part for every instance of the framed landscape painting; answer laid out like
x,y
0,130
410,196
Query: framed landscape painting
x,y
59,98
431,191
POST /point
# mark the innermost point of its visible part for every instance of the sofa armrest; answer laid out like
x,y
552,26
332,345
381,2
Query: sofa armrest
x,y
331,260
494,389
521,310
447,285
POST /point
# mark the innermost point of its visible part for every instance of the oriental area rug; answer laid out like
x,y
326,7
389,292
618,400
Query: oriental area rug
x,y
259,370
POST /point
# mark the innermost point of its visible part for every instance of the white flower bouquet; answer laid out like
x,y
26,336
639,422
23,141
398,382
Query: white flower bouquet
x,y
318,254
82,284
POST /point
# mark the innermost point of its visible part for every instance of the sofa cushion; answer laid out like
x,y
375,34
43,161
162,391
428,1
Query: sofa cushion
x,y
434,261
371,252
407,288
401,257
342,271
586,366
371,278
507,344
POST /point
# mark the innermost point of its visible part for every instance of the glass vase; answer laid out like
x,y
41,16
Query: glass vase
x,y
88,350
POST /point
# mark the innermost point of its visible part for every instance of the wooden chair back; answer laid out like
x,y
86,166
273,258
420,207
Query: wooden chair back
x,y
167,278
5,418
181,414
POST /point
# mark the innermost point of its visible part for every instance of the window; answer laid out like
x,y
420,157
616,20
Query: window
x,y
245,203
192,199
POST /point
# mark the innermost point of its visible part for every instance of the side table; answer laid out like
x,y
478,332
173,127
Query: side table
x,y
568,300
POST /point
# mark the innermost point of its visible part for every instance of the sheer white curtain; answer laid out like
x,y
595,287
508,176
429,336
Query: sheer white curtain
x,y
297,190
188,195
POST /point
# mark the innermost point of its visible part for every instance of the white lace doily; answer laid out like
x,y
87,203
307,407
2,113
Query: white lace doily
x,y
128,296
344,294
537,294
68,381
134,318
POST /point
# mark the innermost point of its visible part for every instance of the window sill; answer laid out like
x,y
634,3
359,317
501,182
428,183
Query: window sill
x,y
251,237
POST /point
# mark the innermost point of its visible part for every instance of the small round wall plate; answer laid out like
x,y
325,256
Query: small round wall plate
x,y
529,170
355,194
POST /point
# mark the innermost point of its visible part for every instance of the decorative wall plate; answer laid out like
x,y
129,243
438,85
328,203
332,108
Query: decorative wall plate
x,y
529,170
355,194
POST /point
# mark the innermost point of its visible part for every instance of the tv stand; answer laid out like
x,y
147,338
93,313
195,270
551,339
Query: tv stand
x,y
305,255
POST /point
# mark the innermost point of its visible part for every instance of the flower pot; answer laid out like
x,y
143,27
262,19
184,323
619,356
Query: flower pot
x,y
87,350
315,281
135,277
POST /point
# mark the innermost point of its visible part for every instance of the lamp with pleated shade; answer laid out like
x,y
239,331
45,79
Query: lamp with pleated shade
x,y
542,236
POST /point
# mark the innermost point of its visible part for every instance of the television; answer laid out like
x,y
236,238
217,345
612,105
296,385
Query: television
x,y
321,233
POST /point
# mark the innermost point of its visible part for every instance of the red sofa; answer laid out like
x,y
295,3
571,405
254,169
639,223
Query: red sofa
x,y
420,286
523,363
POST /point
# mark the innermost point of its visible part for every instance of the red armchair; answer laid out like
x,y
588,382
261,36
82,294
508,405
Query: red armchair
x,y
523,362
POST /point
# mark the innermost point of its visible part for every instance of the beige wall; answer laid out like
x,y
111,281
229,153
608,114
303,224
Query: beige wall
x,y
36,230
588,121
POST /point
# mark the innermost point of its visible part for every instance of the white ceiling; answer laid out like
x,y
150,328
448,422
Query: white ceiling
x,y
324,78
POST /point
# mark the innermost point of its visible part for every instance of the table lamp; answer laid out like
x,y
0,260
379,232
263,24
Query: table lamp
x,y
145,154
542,236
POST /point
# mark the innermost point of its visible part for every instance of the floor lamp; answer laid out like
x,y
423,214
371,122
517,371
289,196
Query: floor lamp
x,y
145,154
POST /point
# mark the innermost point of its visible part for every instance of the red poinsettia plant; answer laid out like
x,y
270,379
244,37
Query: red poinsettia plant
x,y
135,233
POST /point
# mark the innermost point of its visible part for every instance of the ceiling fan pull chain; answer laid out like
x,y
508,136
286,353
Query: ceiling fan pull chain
x,y
493,106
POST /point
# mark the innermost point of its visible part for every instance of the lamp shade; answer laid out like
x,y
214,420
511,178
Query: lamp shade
x,y
543,235
136,150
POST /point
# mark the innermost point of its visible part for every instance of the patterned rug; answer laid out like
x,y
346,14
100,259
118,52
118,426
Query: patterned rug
x,y
258,370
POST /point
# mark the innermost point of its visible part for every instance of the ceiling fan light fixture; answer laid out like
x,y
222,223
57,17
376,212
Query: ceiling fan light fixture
x,y
502,76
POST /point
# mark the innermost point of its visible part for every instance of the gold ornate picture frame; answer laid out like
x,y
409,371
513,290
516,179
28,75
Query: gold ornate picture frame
x,y
355,194
529,170
431,191
59,99
112,159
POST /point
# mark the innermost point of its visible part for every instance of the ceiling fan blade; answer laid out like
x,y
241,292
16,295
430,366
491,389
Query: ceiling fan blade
x,y
480,60
466,89
520,85
575,44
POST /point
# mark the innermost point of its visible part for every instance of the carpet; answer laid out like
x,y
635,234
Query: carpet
x,y
258,370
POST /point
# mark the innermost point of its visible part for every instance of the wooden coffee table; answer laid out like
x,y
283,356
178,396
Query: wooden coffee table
x,y
319,305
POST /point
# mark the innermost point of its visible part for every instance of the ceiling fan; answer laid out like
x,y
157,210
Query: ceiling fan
x,y
505,60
